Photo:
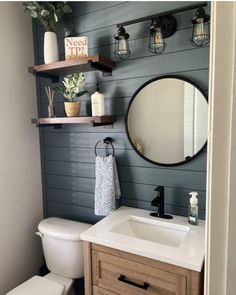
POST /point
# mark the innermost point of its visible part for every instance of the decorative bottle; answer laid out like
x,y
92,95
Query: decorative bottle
x,y
193,209
97,101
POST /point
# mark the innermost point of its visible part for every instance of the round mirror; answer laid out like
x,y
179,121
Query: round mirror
x,y
166,121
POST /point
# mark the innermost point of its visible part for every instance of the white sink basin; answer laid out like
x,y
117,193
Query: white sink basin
x,y
134,231
155,231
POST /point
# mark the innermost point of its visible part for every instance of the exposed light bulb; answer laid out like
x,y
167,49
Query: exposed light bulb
x,y
158,39
199,30
122,46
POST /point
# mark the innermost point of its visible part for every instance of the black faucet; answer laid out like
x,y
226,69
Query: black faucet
x,y
159,202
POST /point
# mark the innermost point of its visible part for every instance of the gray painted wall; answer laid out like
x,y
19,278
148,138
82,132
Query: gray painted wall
x,y
68,153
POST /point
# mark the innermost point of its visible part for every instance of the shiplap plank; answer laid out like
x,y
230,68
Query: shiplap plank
x,y
123,157
173,195
143,175
161,64
71,197
82,214
144,193
84,139
176,178
71,183
86,7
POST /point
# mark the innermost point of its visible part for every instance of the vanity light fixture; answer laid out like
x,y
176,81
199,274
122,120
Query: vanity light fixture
x,y
122,44
157,44
201,32
163,25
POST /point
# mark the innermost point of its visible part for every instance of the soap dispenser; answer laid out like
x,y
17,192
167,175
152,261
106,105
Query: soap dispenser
x,y
97,101
193,209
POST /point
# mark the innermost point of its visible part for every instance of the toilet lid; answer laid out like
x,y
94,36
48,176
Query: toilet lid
x,y
38,286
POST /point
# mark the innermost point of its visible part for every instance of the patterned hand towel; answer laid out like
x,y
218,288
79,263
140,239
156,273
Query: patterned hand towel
x,y
107,187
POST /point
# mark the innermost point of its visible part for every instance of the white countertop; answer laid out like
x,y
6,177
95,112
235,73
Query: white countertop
x,y
189,254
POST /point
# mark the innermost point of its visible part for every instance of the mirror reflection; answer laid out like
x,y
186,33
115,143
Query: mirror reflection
x,y
167,120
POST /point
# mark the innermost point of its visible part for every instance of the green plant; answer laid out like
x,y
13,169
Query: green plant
x,y
72,86
48,13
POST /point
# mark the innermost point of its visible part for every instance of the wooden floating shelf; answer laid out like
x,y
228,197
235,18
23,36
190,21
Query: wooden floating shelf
x,y
94,121
84,64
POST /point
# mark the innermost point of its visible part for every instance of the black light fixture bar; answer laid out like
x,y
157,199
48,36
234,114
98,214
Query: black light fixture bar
x,y
169,12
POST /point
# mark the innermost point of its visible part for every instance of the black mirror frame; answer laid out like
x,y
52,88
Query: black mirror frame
x,y
129,106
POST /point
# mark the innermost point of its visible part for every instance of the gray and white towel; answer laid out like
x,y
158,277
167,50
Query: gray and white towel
x,y
107,187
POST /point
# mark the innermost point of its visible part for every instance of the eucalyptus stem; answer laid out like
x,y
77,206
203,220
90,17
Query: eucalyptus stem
x,y
48,13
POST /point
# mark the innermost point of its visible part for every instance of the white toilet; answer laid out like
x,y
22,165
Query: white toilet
x,y
63,252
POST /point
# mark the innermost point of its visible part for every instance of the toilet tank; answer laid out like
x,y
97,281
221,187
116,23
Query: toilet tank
x,y
62,246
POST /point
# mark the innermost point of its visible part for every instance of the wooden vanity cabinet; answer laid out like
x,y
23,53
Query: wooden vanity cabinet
x,y
109,271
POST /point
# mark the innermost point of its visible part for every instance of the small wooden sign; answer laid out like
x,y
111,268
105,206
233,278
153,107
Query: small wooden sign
x,y
76,47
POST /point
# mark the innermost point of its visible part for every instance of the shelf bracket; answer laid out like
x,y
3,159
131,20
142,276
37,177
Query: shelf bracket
x,y
106,71
92,123
107,74
54,78
55,126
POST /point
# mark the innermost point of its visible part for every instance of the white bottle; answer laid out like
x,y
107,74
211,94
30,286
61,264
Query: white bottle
x,y
97,101
193,209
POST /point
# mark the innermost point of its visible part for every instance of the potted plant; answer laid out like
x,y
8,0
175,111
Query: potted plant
x,y
72,88
49,14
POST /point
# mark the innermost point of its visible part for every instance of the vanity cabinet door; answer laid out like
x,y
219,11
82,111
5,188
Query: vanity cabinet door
x,y
126,277
100,291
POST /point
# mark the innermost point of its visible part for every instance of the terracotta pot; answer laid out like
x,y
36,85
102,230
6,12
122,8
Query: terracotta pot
x,y
72,109
51,53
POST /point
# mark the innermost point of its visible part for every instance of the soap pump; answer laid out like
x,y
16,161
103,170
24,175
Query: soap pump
x,y
97,101
193,209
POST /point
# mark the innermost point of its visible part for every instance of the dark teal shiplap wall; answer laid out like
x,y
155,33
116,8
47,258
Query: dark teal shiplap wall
x,y
68,153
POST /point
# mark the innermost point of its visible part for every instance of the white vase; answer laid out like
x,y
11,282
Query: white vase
x,y
51,53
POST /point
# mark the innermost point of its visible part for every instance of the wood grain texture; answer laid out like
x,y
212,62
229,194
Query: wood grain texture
x,y
66,67
164,278
87,268
106,269
67,153
101,291
74,120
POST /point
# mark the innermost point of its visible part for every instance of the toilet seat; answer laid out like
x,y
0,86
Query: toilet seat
x,y
38,286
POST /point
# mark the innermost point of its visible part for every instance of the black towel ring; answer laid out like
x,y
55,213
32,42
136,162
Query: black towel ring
x,y
107,140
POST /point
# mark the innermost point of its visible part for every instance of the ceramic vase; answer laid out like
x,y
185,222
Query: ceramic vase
x,y
72,109
51,53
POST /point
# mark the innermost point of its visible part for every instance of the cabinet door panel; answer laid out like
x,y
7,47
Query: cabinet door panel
x,y
128,277
100,291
